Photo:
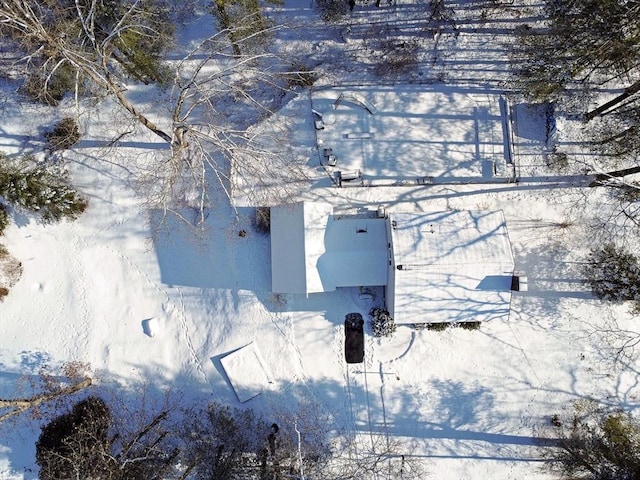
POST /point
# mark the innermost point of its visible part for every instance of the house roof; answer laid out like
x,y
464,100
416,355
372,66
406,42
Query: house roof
x,y
313,250
297,230
450,266
356,252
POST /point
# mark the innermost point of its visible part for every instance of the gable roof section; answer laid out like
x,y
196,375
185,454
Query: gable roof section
x,y
356,252
313,250
297,230
452,266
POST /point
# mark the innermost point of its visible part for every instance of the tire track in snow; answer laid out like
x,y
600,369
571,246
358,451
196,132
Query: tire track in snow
x,y
383,406
359,407
357,401
367,414
349,378
351,421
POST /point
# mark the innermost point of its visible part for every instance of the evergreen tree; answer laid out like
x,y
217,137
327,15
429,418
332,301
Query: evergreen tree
x,y
73,445
243,22
614,274
32,186
89,443
597,444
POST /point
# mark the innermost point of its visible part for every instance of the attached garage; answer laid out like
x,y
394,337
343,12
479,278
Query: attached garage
x,y
452,266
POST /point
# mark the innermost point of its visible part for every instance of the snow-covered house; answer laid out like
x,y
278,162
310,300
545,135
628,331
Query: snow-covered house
x,y
452,266
313,250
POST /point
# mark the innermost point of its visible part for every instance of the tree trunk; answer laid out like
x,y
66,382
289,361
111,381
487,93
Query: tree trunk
x,y
630,90
124,101
600,178
226,24
19,405
140,117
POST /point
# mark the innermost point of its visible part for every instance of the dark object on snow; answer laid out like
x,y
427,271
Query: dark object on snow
x,y
381,322
354,338
272,437
352,3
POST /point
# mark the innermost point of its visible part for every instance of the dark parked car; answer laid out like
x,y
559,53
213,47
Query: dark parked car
x,y
354,338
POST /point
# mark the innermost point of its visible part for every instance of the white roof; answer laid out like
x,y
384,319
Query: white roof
x,y
313,250
451,266
246,371
297,230
356,252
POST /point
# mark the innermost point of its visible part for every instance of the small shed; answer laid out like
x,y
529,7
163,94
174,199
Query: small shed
x,y
246,371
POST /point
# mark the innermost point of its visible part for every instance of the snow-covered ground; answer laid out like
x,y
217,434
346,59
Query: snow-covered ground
x,y
157,306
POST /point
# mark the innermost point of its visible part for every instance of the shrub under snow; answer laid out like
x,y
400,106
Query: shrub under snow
x,y
382,323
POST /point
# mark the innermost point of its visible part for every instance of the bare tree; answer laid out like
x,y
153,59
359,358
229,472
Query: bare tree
x,y
15,406
97,438
209,82
595,443
581,44
242,19
378,457
10,267
90,41
222,442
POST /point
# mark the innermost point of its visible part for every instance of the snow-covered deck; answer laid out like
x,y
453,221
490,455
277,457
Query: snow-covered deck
x,y
433,133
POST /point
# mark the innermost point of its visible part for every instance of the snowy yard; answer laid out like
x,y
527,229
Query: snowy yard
x,y
165,307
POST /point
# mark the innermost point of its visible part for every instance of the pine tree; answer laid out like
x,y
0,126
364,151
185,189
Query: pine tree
x,y
34,187
614,274
597,444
